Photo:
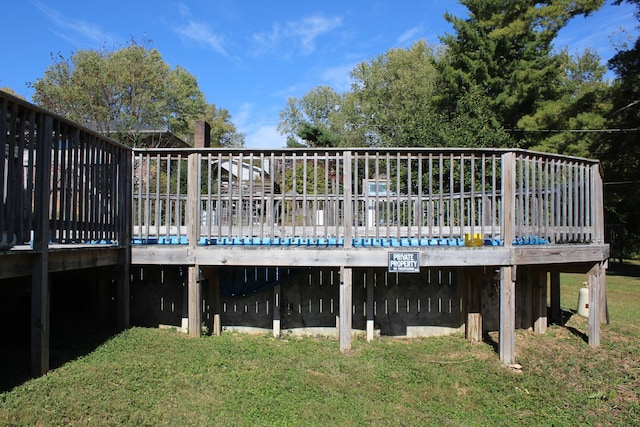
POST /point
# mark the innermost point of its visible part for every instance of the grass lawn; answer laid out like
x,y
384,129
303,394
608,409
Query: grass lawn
x,y
160,377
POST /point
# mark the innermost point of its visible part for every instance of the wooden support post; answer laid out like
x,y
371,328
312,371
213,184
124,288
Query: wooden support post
x,y
125,176
594,305
40,291
123,282
195,301
346,309
598,235
40,306
540,303
604,305
507,314
193,235
214,300
276,311
370,297
473,307
556,310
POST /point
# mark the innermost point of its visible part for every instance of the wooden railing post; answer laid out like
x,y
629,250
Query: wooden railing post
x,y
347,193
508,197
193,234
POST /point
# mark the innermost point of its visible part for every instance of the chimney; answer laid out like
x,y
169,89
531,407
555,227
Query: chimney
x,y
202,137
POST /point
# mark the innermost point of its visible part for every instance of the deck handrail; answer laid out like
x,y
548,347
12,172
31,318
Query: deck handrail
x,y
63,183
60,182
317,196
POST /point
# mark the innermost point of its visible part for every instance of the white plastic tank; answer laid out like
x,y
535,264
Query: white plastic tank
x,y
583,302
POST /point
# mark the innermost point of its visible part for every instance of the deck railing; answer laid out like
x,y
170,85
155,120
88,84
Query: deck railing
x,y
364,197
64,184
59,182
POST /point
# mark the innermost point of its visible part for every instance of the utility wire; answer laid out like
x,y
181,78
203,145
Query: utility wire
x,y
574,130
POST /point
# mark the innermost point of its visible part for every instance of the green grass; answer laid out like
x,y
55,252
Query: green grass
x,y
160,377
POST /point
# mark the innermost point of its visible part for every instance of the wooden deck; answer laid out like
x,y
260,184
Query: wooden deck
x,y
83,201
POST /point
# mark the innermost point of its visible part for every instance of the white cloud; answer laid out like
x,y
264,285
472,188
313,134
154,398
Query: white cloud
x,y
265,137
75,31
410,34
201,33
301,34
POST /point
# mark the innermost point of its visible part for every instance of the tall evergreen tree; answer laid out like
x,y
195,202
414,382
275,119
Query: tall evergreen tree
x,y
505,48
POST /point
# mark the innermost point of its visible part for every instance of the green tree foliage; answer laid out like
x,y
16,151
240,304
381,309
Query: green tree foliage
x,y
390,101
562,125
10,92
619,151
505,49
309,121
124,92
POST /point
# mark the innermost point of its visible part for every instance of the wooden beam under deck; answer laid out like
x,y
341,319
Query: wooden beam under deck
x,y
21,263
366,257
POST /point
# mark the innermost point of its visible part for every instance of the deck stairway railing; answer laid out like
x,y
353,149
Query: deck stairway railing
x,y
364,197
60,183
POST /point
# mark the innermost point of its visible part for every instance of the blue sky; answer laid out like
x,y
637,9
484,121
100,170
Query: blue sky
x,y
250,56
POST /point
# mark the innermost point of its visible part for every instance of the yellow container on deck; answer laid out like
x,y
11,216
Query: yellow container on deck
x,y
476,240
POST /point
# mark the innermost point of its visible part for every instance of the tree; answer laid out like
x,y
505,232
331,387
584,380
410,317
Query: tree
x,y
309,121
390,103
10,92
120,93
619,151
561,125
505,49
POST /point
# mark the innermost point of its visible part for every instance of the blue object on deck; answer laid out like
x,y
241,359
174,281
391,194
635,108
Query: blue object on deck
x,y
530,240
492,242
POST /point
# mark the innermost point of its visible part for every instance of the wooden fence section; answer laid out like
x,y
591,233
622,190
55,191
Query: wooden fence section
x,y
365,197
58,181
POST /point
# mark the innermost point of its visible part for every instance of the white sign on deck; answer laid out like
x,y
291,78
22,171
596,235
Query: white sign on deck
x,y
404,262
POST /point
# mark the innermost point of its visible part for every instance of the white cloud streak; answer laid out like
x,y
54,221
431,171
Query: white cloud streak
x,y
410,34
301,34
199,32
75,31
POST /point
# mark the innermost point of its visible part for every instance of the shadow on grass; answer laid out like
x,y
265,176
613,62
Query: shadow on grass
x,y
69,340
492,338
627,269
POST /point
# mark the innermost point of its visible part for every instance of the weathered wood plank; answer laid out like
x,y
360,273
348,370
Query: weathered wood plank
x,y
556,310
195,298
594,305
370,284
473,305
508,198
276,310
346,301
561,254
540,302
315,257
507,314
